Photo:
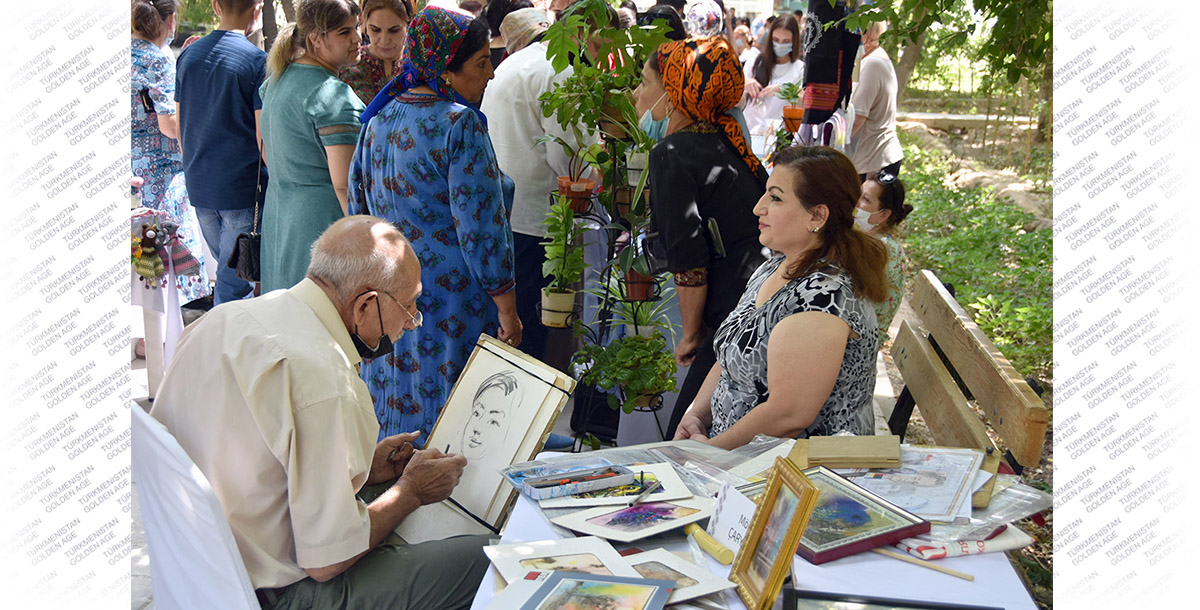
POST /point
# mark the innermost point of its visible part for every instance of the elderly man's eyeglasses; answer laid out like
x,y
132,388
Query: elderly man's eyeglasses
x,y
417,318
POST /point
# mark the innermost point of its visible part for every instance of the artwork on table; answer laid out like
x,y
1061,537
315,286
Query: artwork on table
x,y
629,523
587,554
691,580
672,488
849,519
932,482
570,591
764,557
812,600
500,411
758,468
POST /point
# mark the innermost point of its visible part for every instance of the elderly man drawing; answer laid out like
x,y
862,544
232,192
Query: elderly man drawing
x,y
265,396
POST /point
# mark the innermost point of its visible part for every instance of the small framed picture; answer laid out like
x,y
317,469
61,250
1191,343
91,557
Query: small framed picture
x,y
849,519
691,580
629,523
587,554
569,591
765,555
794,599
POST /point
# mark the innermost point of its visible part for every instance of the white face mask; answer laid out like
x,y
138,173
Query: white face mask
x,y
782,49
862,219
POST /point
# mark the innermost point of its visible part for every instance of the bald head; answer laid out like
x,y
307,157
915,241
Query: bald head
x,y
363,252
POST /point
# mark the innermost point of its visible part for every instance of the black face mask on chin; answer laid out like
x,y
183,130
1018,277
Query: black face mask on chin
x,y
385,342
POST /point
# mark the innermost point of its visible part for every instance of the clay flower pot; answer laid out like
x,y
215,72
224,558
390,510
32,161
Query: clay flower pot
x,y
578,192
637,286
793,117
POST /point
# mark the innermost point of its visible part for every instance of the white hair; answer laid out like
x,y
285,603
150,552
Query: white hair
x,y
342,261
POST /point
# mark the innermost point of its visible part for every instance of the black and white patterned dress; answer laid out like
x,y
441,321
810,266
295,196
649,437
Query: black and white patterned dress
x,y
741,346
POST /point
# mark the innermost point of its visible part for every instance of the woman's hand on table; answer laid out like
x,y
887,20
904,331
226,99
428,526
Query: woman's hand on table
x,y
691,427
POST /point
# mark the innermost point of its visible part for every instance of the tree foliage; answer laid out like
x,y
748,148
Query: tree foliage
x,y
1017,43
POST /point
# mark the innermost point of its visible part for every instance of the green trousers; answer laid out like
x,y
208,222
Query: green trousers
x,y
428,576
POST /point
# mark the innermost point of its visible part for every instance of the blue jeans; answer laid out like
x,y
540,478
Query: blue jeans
x,y
221,228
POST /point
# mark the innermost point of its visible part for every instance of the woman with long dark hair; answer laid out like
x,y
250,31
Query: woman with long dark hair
x,y
809,309
779,60
309,127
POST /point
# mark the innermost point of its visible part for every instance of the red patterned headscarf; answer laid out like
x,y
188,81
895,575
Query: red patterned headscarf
x,y
703,79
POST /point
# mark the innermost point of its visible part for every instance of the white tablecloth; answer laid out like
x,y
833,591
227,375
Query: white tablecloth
x,y
996,582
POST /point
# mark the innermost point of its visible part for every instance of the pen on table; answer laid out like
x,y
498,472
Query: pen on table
x,y
646,492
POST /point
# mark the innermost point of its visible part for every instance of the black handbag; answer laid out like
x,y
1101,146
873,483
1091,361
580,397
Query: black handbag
x,y
244,259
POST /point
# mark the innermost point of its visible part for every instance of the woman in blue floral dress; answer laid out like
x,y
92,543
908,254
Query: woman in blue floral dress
x,y
425,162
154,129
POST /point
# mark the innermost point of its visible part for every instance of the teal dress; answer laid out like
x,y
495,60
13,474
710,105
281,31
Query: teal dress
x,y
304,110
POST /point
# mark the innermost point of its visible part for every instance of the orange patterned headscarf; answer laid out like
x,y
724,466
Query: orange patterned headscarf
x,y
703,79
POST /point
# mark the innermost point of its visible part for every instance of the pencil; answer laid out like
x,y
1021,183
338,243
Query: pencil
x,y
922,563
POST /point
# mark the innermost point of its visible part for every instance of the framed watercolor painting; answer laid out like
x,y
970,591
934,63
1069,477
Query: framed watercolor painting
x,y
691,580
629,523
794,599
672,488
586,554
573,591
500,411
764,558
849,519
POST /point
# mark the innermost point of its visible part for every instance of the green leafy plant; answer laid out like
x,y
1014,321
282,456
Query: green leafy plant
x,y
640,366
581,157
645,316
790,93
564,260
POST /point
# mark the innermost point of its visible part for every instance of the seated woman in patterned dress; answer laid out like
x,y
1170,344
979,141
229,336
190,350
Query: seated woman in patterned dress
x,y
796,357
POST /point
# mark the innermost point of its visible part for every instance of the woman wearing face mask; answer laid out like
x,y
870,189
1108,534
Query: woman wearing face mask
x,y
778,61
385,25
154,129
796,357
704,181
880,210
425,162
309,125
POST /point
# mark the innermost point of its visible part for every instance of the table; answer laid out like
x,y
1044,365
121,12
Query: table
x,y
996,582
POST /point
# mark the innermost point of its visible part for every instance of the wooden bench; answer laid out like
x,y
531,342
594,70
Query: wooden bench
x,y
956,360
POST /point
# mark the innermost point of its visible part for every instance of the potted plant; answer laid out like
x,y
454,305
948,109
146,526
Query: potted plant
x,y
793,113
640,317
642,367
564,263
631,260
577,189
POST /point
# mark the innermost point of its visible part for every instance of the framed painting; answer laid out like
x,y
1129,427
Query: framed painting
x,y
500,412
794,599
629,523
764,558
646,475
587,554
574,591
849,519
691,580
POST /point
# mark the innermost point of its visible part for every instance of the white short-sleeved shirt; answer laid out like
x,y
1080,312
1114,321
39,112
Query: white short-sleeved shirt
x,y
874,97
264,395
760,112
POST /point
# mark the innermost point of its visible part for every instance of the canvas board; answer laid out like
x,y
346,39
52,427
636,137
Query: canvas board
x,y
500,411
571,591
932,483
672,488
585,554
691,580
629,523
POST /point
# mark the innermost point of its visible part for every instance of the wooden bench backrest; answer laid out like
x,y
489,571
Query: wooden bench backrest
x,y
1009,405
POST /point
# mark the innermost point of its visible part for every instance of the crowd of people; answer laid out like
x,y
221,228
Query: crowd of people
x,y
392,159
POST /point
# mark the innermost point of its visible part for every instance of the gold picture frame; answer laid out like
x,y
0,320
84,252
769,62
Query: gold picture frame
x,y
765,556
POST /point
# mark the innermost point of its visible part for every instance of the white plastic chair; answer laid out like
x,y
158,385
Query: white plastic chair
x,y
194,560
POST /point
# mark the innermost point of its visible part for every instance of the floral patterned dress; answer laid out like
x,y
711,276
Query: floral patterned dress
x,y
157,159
366,76
427,165
897,271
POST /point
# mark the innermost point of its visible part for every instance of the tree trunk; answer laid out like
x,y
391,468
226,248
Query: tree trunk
x,y
289,10
1046,97
908,63
270,28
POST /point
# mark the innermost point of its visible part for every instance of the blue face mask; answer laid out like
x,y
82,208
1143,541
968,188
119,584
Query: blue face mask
x,y
781,49
656,129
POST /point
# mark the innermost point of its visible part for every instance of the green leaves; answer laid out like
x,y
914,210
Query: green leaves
x,y
564,259
639,366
